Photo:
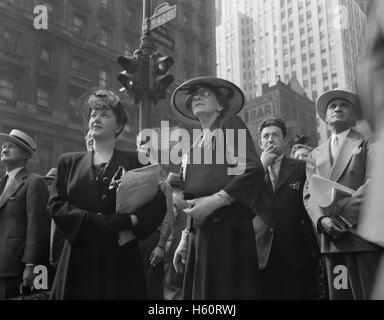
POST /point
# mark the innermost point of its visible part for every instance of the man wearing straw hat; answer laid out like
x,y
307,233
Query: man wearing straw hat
x,y
346,159
24,222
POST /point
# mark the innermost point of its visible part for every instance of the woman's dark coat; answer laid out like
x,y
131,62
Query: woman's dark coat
x,y
93,265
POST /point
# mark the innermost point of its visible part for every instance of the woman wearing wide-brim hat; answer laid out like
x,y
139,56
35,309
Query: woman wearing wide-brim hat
x,y
218,250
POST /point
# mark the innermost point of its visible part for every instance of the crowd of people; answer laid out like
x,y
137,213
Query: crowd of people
x,y
210,232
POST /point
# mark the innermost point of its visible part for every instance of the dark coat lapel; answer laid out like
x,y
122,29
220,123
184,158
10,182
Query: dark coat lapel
x,y
86,166
286,170
324,163
14,186
352,141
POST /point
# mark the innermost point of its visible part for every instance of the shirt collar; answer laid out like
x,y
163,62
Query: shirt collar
x,y
341,136
12,174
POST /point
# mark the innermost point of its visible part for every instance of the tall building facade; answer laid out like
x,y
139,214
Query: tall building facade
x,y
286,101
44,72
318,42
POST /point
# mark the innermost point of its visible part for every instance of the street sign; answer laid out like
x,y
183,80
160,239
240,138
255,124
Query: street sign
x,y
160,35
163,14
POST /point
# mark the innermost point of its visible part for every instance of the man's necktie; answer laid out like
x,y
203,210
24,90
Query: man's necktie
x,y
272,175
335,147
3,183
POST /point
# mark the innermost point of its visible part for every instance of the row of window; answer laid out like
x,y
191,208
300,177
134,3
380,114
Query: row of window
x,y
44,93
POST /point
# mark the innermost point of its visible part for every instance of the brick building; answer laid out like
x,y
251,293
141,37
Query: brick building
x,y
44,72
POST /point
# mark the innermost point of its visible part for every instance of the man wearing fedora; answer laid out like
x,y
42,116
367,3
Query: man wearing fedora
x,y
24,221
346,159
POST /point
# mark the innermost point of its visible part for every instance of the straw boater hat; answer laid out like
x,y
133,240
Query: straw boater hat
x,y
229,90
51,174
327,97
22,140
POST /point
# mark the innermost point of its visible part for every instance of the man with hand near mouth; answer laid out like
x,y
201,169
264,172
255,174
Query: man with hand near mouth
x,y
286,243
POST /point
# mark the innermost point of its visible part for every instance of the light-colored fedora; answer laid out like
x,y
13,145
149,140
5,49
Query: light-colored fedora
x,y
22,140
51,174
338,93
228,89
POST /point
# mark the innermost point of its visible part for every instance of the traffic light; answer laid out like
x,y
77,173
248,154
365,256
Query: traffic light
x,y
160,79
132,78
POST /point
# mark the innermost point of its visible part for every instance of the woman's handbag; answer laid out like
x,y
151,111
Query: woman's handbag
x,y
136,188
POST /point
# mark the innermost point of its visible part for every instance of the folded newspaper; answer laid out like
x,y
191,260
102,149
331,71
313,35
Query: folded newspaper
x,y
326,193
136,188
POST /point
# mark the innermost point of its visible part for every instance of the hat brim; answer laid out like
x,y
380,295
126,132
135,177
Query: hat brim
x,y
6,137
234,95
327,97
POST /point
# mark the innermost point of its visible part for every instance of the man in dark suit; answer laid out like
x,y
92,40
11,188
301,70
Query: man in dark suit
x,y
286,243
24,221
346,158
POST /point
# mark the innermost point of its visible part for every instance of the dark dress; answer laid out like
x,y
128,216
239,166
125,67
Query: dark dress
x,y
222,259
93,265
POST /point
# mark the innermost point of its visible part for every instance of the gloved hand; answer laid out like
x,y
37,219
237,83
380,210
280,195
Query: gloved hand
x,y
180,256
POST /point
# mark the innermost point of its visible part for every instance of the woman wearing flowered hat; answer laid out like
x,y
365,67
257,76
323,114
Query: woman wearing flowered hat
x,y
93,265
218,250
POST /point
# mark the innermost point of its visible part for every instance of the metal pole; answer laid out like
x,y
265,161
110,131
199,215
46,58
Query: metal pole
x,y
147,48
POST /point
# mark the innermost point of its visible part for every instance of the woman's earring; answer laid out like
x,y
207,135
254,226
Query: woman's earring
x,y
220,108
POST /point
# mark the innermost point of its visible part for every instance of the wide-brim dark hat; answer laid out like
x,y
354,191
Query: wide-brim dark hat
x,y
338,93
22,140
228,89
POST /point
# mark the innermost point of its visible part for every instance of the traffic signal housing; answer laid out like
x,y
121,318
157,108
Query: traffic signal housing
x,y
132,78
160,79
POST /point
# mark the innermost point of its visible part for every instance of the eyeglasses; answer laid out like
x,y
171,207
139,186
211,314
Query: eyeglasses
x,y
204,93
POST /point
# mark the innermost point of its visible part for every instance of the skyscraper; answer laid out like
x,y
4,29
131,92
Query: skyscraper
x,y
318,42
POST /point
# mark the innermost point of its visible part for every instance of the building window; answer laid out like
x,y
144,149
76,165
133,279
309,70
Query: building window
x,y
127,48
103,78
130,15
104,4
104,36
11,40
78,24
74,109
77,65
7,87
46,55
42,97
